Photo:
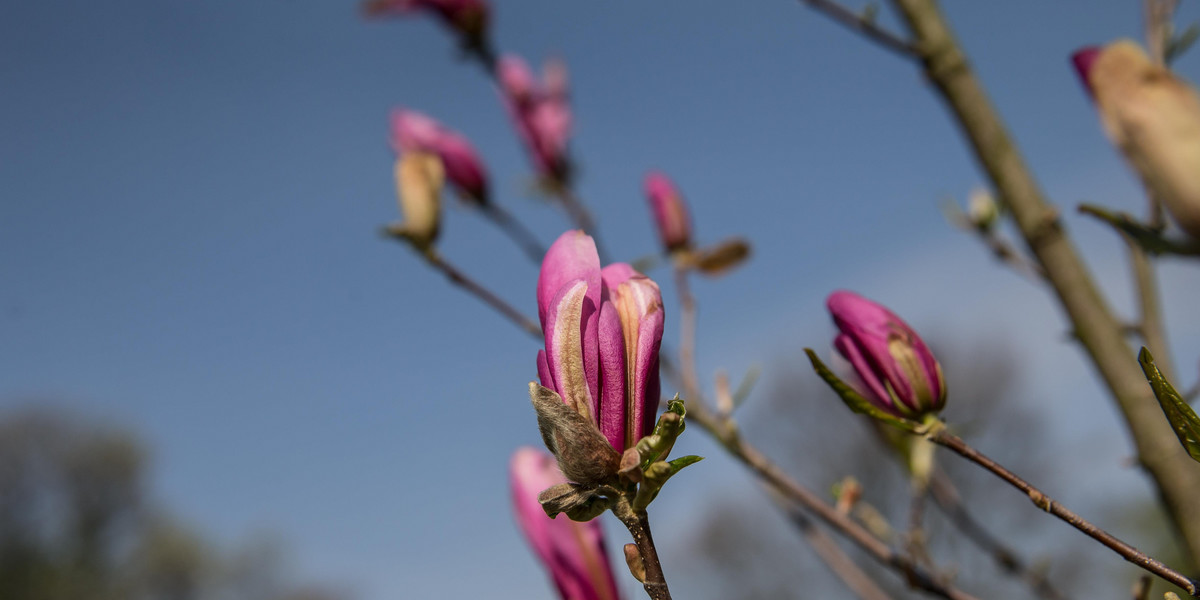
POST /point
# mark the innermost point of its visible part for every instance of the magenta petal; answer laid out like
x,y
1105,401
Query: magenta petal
x,y
413,131
853,312
669,211
543,368
617,273
612,377
572,256
573,553
647,387
1083,59
464,168
875,389
892,360
530,472
515,78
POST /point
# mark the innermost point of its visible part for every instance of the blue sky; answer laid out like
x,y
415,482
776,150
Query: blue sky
x,y
190,195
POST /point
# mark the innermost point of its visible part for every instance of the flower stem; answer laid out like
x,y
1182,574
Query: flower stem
x,y
516,231
865,25
638,524
1047,504
857,580
687,336
946,496
726,434
460,279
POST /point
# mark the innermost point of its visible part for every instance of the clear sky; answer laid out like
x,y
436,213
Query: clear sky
x,y
190,195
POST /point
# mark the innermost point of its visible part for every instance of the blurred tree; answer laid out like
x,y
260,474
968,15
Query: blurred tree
x,y
75,524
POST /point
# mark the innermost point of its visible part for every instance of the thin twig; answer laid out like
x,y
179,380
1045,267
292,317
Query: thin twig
x,y
863,24
724,432
1047,504
638,525
1157,15
457,277
1147,235
1151,327
946,496
515,230
1153,331
687,334
830,553
914,538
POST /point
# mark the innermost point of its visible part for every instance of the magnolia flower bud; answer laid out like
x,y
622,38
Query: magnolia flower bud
x,y
1154,118
468,17
419,178
539,111
896,371
572,552
603,329
413,131
982,209
670,212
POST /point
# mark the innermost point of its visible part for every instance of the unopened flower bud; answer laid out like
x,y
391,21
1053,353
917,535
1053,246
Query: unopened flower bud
x,y
539,110
670,212
896,370
1153,117
413,131
467,17
982,209
603,329
572,552
419,177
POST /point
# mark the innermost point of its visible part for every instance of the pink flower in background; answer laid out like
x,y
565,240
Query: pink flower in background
x,y
572,552
415,132
468,17
669,210
603,330
1153,117
540,111
896,371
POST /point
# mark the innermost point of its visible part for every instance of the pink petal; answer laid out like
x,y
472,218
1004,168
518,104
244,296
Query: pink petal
x,y
612,377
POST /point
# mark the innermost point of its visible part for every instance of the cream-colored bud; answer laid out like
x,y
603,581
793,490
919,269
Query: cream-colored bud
x,y
419,180
1154,118
982,209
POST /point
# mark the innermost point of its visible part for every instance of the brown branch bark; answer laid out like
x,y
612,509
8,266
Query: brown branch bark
x,y
1099,332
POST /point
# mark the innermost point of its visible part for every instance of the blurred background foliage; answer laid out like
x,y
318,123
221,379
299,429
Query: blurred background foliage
x,y
77,523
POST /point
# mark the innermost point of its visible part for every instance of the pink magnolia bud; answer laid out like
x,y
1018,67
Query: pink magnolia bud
x,y
602,330
670,212
415,132
468,17
572,552
1153,117
539,111
516,80
896,370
